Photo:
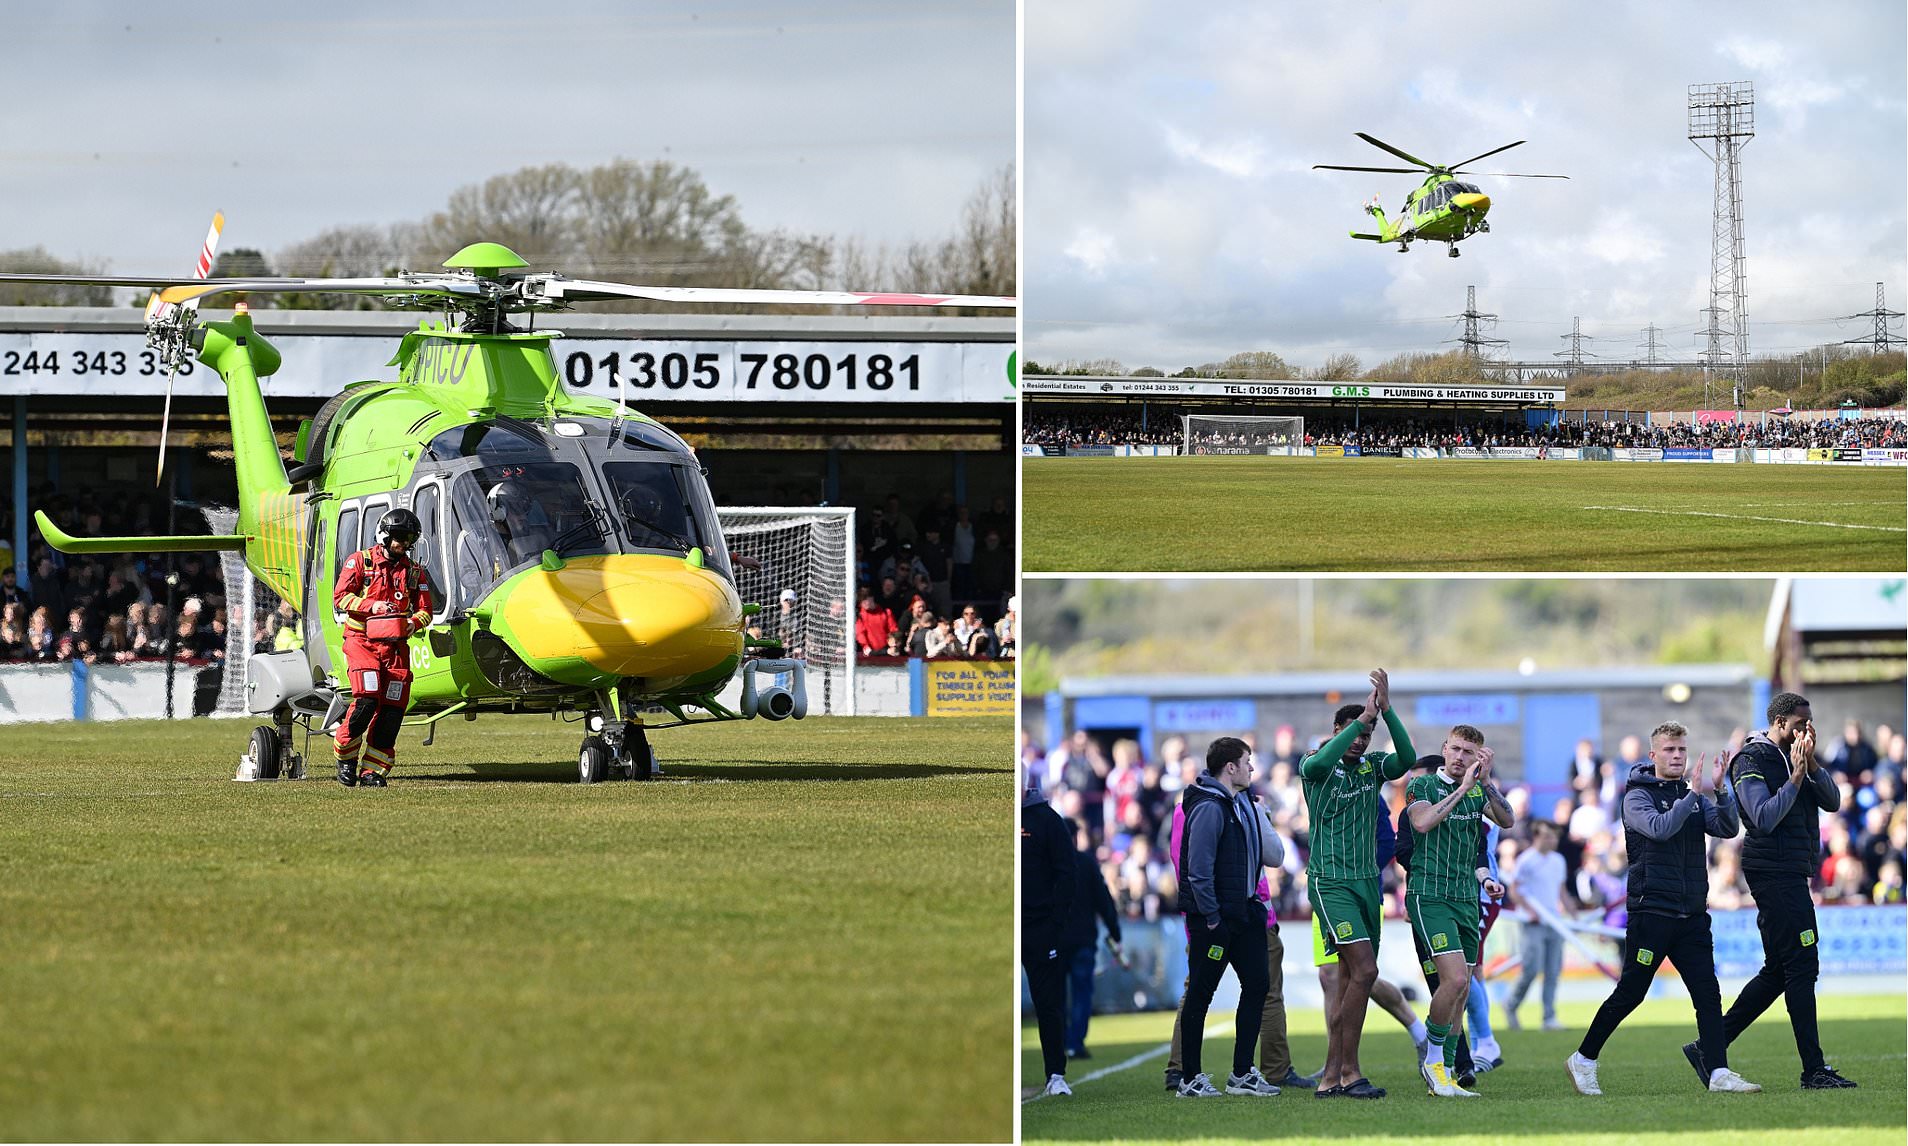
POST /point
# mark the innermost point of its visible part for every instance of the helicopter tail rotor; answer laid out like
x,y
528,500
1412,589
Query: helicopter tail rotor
x,y
169,328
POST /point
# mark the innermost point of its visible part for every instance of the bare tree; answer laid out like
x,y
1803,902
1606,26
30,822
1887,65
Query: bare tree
x,y
38,261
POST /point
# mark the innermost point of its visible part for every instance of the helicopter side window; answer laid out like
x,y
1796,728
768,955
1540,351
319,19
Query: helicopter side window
x,y
479,560
539,506
426,504
347,539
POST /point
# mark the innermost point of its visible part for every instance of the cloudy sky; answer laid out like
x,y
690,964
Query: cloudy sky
x,y
127,124
1171,215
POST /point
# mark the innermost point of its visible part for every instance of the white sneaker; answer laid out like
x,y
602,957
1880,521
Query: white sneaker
x,y
1056,1085
1198,1086
1251,1082
1583,1074
1553,1025
1441,1083
1722,1080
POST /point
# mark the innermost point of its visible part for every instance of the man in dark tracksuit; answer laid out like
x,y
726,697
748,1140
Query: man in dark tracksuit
x,y
1080,940
1664,822
1783,792
1221,854
1047,883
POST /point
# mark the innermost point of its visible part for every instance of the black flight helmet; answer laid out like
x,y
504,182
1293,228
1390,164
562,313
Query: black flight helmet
x,y
399,525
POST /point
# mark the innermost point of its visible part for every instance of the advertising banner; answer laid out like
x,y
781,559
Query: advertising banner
x,y
1036,385
1564,454
968,688
1876,457
1421,452
1380,452
1720,455
1684,454
1495,452
653,370
1090,451
1032,451
1848,454
1625,454
1853,940
1331,451
1704,417
1236,716
1482,708
1821,455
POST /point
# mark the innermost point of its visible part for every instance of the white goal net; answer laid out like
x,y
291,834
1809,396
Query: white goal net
x,y
1240,434
807,551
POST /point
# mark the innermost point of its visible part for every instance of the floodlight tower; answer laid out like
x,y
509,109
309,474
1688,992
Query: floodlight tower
x,y
1724,115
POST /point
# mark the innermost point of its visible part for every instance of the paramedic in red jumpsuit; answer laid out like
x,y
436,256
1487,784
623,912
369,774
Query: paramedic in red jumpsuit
x,y
385,597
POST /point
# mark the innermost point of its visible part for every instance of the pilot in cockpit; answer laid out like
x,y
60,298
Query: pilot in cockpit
x,y
520,521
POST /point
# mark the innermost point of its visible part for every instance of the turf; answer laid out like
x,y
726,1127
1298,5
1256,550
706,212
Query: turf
x,y
1374,515
1649,1091
803,932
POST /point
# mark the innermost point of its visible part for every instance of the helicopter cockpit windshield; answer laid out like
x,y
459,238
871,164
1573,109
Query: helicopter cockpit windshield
x,y
518,488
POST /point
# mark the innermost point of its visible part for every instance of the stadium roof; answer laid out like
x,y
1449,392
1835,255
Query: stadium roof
x,y
1846,606
1434,681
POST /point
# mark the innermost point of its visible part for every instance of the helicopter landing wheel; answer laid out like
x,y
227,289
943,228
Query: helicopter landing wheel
x,y
593,761
263,751
1454,250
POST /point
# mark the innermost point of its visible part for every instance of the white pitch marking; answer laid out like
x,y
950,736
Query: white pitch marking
x,y
1144,1056
1746,517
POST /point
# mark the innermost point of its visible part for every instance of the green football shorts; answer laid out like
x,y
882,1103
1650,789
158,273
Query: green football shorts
x,y
1350,909
1444,925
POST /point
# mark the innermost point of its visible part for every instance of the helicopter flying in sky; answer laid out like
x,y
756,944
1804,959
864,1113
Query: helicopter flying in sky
x,y
579,561
1443,209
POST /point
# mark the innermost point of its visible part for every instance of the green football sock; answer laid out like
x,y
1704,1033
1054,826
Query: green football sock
x,y
1436,1034
1450,1051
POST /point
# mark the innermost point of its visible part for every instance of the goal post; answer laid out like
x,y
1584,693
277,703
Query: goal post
x,y
1277,435
809,551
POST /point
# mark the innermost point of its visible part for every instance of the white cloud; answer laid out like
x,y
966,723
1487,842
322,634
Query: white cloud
x,y
1093,249
1241,158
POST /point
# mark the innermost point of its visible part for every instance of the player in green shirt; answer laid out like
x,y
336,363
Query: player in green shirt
x,y
1342,797
1447,808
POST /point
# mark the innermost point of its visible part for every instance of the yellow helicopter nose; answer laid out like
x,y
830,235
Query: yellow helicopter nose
x,y
1472,201
633,615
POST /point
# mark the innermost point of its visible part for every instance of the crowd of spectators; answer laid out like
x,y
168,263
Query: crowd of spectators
x,y
113,609
936,582
1126,802
1076,426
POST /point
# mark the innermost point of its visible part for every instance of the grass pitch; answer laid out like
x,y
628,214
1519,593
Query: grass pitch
x,y
804,931
1375,514
1649,1092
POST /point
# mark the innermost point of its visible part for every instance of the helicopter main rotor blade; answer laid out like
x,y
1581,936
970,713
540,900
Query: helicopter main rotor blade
x,y
1508,175
413,285
555,288
1493,151
1408,158
104,280
1385,170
